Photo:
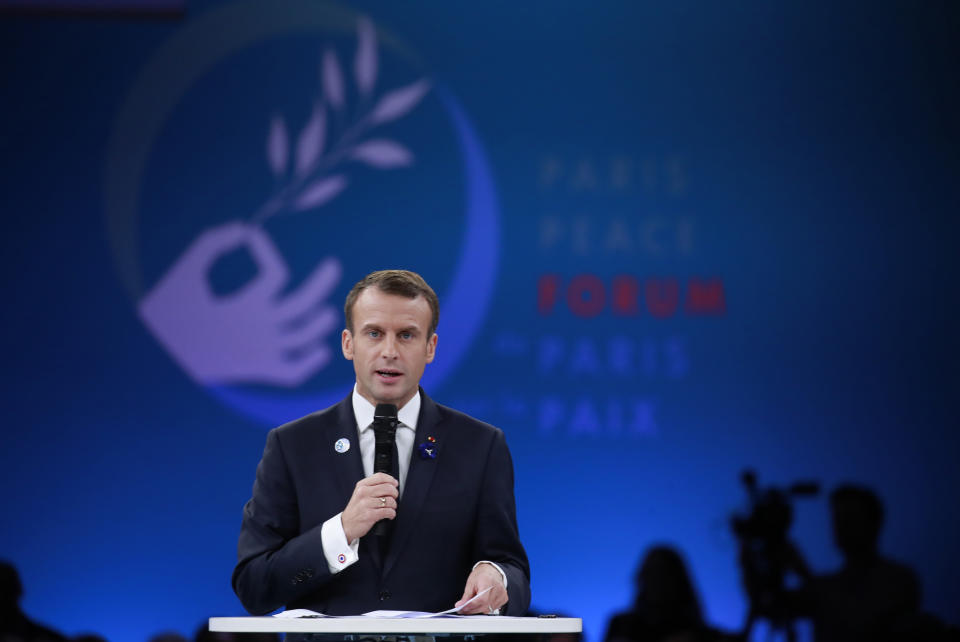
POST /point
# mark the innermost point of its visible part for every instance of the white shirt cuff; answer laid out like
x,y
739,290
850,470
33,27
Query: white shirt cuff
x,y
503,575
339,553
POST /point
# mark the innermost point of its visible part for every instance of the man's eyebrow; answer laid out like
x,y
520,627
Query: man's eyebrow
x,y
413,329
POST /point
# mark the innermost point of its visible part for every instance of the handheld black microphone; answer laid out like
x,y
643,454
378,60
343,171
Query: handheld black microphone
x,y
385,433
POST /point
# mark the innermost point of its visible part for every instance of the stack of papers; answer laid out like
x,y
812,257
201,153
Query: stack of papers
x,y
295,613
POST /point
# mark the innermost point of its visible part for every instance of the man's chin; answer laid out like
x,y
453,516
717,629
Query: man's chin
x,y
391,394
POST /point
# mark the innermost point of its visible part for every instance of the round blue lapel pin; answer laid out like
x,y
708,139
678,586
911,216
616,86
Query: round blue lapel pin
x,y
428,449
342,445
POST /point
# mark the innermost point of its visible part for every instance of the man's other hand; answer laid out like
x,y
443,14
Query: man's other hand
x,y
373,499
483,577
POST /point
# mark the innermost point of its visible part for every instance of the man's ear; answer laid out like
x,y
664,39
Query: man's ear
x,y
346,344
431,348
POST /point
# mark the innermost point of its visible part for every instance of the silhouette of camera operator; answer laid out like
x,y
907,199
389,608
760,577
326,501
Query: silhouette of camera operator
x,y
870,597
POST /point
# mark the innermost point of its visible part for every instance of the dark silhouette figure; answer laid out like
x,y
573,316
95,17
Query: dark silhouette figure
x,y
666,608
870,597
203,634
168,636
15,626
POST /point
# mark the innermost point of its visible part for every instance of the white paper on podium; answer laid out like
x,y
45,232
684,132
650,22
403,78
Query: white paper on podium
x,y
296,613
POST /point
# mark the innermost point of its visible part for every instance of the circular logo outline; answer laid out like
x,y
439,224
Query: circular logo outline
x,y
157,92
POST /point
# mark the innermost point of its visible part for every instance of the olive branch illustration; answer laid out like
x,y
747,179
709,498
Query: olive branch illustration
x,y
316,176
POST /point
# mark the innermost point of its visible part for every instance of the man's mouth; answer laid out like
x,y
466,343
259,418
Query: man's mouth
x,y
389,374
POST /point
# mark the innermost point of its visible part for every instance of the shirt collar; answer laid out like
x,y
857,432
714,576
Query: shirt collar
x,y
363,411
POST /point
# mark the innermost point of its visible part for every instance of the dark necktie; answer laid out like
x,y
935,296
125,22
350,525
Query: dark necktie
x,y
395,469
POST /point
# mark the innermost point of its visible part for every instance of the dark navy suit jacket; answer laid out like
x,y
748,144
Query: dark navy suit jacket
x,y
456,510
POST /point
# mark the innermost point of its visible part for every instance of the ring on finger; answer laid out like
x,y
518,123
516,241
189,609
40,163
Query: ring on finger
x,y
383,502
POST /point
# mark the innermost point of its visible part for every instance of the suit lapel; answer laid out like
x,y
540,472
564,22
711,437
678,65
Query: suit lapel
x,y
419,477
348,466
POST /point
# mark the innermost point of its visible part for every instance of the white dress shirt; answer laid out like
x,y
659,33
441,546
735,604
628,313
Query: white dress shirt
x,y
338,551
406,431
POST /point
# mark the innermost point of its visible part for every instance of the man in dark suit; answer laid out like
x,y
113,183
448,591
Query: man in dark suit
x,y
306,539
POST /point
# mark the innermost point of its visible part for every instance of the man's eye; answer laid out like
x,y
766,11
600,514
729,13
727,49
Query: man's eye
x,y
406,335
373,333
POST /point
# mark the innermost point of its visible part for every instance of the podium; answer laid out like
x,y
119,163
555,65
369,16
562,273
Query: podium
x,y
372,626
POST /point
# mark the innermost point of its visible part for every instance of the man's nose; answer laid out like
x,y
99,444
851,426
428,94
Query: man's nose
x,y
390,348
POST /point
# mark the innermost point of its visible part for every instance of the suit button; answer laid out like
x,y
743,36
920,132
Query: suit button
x,y
384,595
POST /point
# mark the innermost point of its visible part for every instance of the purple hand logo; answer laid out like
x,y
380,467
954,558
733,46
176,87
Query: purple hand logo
x,y
261,334
250,336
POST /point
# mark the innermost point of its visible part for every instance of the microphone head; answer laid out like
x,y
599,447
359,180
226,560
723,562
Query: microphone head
x,y
385,411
